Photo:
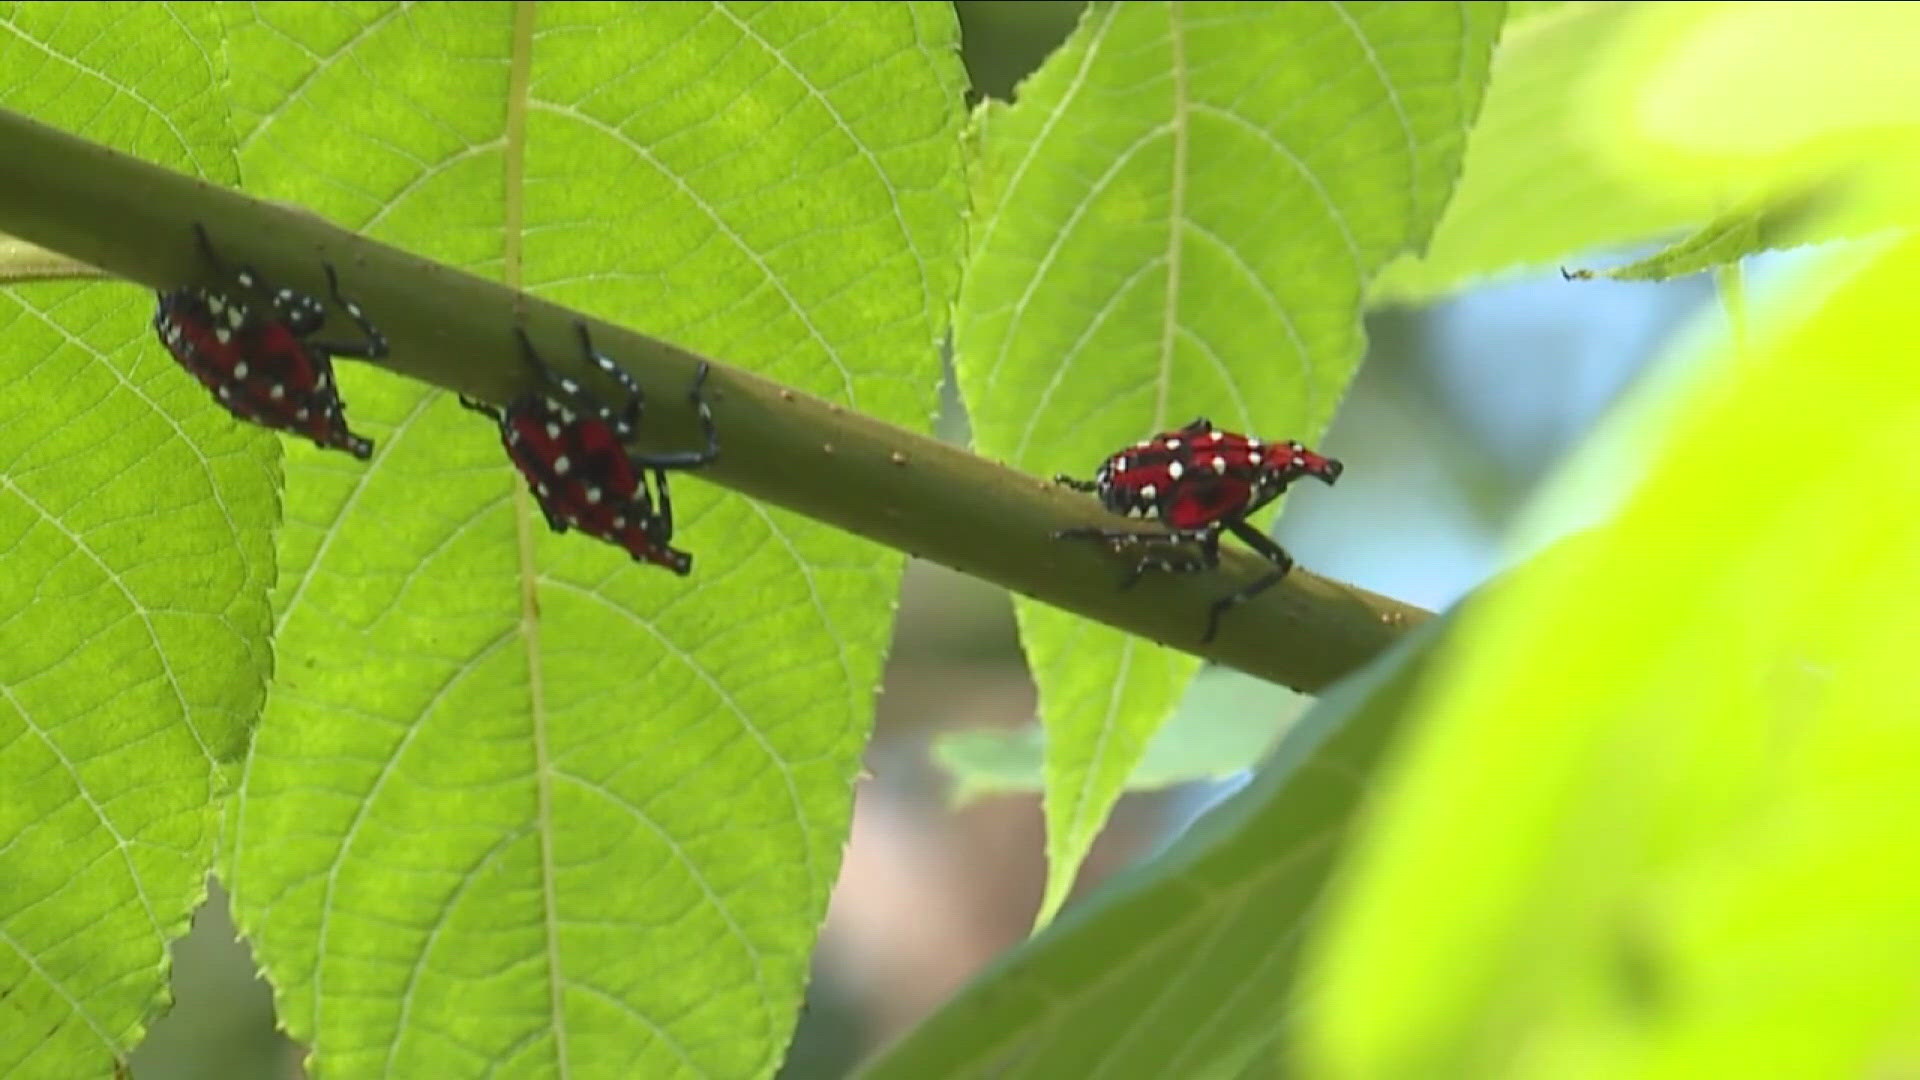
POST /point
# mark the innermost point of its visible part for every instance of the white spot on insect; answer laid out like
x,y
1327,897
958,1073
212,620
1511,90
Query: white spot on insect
x,y
1173,444
542,489
321,382
1144,444
561,464
1253,444
1174,469
241,369
245,278
593,495
620,522
1149,492
236,316
279,392
302,415
1219,463
567,416
224,392
223,335
569,386
553,431
216,305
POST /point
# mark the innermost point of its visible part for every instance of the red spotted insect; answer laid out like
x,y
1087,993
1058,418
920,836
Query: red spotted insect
x,y
570,447
1199,482
252,345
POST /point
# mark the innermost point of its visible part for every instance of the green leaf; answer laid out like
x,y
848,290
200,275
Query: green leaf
x,y
1531,194
518,803
1683,786
1226,723
1725,240
1176,967
135,519
1179,217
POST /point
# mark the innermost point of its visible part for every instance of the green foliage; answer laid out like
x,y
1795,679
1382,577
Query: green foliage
x,y
1687,871
132,658
1530,191
1683,873
1724,241
513,801
1164,230
135,522
514,805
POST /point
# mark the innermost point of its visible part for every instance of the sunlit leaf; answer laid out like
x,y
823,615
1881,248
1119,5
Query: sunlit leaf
x,y
1531,194
1681,826
135,530
519,803
1179,216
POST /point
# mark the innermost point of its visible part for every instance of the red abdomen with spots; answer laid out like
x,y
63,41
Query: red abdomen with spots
x,y
1198,476
581,474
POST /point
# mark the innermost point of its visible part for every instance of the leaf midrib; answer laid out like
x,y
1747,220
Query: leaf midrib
x,y
519,79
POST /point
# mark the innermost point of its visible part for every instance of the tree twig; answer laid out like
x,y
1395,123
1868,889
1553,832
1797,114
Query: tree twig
x,y
894,486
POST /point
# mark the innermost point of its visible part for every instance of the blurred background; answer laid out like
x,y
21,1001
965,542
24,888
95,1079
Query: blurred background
x,y
1460,410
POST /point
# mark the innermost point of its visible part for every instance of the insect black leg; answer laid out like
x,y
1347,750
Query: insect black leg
x,y
659,529
1273,553
1168,556
1078,485
1227,603
481,407
206,250
1118,537
547,374
245,275
1206,557
628,417
662,527
1261,543
689,459
373,348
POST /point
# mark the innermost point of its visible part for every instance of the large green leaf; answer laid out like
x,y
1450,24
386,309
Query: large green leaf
x,y
1176,967
135,527
1180,216
518,803
1683,812
1686,757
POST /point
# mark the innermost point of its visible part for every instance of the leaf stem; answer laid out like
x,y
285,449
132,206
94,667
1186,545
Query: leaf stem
x,y
897,487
